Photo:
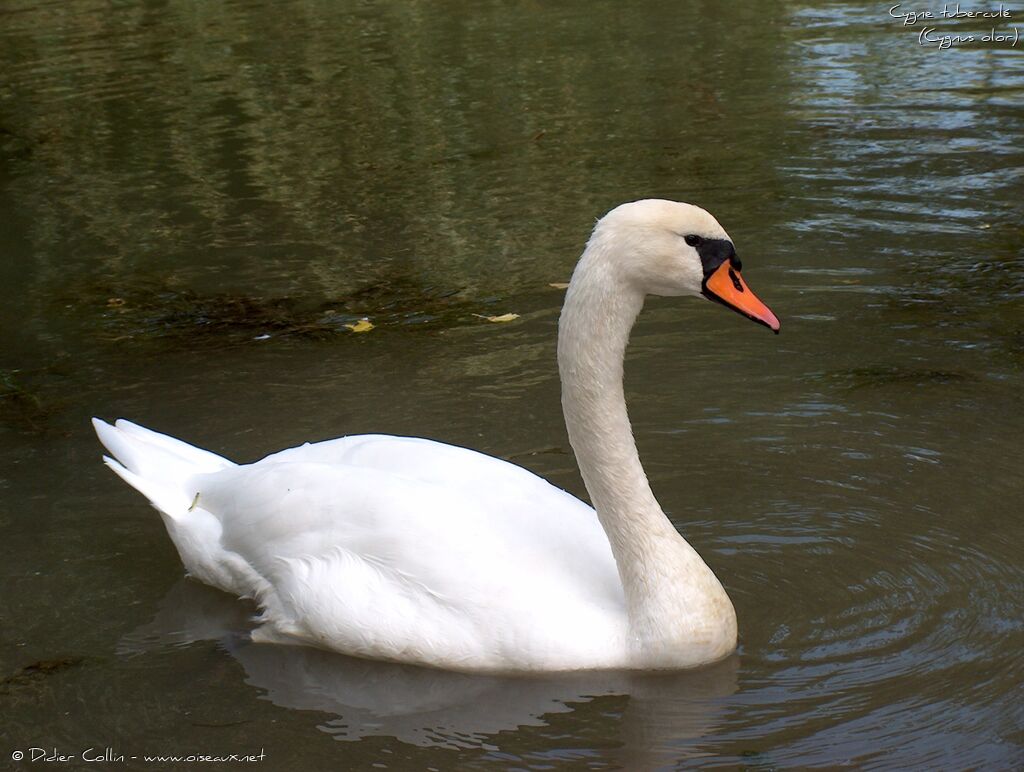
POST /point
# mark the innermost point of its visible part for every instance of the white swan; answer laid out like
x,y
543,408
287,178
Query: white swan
x,y
410,550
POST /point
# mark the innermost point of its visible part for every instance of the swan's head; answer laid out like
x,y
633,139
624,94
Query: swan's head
x,y
669,248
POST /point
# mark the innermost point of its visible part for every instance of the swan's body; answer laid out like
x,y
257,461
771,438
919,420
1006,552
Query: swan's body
x,y
415,551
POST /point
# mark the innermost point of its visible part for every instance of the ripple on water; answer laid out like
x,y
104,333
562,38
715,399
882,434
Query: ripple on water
x,y
926,611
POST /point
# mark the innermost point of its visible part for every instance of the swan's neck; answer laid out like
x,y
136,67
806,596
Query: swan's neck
x,y
671,594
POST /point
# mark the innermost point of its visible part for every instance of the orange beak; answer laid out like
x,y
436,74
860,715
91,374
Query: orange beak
x,y
726,286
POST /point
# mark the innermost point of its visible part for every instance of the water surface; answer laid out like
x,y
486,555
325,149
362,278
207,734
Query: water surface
x,y
196,199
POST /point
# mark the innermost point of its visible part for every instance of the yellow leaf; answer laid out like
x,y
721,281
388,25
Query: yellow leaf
x,y
502,318
559,285
363,325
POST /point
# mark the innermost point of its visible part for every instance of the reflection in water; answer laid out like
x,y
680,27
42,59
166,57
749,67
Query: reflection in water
x,y
436,708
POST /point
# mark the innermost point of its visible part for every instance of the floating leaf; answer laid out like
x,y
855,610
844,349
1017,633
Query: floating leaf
x,y
502,318
559,284
363,325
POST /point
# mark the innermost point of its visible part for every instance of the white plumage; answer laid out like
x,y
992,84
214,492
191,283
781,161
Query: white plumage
x,y
414,551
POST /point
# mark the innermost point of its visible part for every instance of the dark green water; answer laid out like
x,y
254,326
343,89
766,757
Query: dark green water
x,y
180,180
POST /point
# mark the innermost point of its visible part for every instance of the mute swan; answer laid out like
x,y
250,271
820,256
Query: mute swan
x,y
405,549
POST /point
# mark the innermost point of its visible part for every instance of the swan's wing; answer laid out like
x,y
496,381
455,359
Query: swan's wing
x,y
413,457
529,513
366,561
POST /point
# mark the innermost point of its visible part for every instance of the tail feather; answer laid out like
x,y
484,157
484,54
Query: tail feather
x,y
156,465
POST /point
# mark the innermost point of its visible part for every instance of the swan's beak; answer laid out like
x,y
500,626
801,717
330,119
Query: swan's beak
x,y
726,286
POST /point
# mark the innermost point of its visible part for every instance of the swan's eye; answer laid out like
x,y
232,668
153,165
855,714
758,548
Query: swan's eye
x,y
692,240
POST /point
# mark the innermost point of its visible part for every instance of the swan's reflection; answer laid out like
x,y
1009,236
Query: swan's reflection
x,y
435,708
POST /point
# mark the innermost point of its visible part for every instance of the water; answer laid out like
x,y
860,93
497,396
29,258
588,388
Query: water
x,y
181,181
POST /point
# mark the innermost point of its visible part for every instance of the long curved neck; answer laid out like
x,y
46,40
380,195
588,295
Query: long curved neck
x,y
593,332
665,581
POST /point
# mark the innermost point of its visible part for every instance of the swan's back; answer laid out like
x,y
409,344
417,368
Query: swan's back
x,y
401,548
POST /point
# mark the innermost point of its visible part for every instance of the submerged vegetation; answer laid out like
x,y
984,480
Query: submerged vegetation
x,y
23,406
30,678
162,311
